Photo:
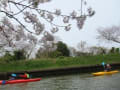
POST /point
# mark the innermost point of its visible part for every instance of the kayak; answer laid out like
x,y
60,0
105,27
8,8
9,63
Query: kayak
x,y
3,82
105,73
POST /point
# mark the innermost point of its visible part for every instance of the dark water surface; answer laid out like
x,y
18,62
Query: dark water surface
x,y
70,82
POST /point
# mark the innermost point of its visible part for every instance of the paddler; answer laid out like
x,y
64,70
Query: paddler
x,y
18,76
25,75
108,67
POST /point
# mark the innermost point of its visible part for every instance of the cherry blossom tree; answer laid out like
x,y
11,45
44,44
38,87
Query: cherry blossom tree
x,y
24,22
110,34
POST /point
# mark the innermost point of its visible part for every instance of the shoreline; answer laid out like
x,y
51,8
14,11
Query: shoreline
x,y
60,71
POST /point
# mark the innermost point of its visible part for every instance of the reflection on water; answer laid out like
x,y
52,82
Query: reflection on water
x,y
70,82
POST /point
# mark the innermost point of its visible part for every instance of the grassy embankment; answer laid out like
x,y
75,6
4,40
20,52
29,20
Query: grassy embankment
x,y
39,64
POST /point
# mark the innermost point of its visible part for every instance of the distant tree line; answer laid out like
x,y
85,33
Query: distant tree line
x,y
59,50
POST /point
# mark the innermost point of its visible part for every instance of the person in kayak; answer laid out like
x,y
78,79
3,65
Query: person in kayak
x,y
108,67
25,76
19,76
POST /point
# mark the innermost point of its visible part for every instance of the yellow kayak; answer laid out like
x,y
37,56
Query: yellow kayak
x,y
105,73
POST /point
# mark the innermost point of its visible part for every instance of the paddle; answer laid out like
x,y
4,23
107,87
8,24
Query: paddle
x,y
103,64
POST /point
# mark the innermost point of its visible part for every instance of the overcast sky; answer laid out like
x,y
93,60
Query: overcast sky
x,y
107,14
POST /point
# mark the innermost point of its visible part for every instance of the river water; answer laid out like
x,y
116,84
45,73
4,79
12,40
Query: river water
x,y
70,82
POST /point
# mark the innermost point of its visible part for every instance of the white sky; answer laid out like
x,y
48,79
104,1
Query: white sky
x,y
107,14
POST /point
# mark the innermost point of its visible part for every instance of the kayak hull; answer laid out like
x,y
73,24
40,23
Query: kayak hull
x,y
18,81
105,73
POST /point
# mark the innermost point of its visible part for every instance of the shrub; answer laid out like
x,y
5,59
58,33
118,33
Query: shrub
x,y
55,54
19,54
6,58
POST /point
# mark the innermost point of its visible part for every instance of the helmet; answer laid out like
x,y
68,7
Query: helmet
x,y
13,75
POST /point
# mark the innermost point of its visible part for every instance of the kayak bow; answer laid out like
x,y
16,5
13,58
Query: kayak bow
x,y
2,82
105,73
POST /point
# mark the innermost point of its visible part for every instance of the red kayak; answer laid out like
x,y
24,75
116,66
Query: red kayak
x,y
2,82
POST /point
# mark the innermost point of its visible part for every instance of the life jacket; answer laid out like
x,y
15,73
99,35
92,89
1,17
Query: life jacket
x,y
27,75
